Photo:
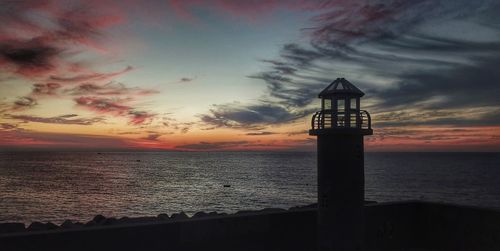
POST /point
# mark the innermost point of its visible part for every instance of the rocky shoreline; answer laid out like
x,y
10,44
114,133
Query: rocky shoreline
x,y
100,220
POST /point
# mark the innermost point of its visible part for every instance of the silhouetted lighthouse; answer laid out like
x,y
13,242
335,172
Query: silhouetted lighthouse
x,y
340,127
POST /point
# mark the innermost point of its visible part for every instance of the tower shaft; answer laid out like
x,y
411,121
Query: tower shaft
x,y
340,192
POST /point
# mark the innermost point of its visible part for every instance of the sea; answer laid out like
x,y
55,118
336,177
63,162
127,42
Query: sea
x,y
56,186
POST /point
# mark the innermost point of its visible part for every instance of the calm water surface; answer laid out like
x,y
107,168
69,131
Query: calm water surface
x,y
50,186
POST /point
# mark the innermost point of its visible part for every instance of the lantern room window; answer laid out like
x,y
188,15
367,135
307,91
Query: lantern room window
x,y
340,105
327,104
354,104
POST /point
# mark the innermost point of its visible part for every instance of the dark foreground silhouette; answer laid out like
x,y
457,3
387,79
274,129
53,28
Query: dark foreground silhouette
x,y
411,225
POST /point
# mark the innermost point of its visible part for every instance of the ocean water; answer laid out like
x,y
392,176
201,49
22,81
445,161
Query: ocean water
x,y
55,186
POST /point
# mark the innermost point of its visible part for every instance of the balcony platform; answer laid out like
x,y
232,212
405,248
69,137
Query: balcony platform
x,y
343,130
333,122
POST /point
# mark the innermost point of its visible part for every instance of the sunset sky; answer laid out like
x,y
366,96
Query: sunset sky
x,y
244,75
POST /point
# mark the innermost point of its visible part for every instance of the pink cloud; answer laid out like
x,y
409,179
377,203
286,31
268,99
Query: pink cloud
x,y
29,47
40,39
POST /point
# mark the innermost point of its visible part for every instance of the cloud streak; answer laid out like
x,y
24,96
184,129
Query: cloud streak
x,y
91,76
152,137
261,133
24,103
68,119
242,116
26,139
108,89
213,145
114,107
421,138
46,89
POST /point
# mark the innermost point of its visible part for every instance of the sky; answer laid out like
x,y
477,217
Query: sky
x,y
192,75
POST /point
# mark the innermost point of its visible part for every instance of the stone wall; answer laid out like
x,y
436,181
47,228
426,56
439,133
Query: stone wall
x,y
390,226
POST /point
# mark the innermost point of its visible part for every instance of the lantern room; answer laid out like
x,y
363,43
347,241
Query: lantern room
x,y
340,110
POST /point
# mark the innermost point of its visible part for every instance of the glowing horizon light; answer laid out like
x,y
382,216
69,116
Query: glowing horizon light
x,y
239,75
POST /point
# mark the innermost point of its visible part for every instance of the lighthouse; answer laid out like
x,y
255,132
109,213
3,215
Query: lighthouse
x,y
340,126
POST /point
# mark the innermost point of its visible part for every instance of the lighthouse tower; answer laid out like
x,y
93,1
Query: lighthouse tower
x,y
340,127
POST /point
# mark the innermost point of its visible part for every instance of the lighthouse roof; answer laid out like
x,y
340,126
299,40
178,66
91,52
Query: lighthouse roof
x,y
341,86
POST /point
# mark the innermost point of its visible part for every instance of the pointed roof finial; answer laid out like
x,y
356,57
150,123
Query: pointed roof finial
x,y
341,86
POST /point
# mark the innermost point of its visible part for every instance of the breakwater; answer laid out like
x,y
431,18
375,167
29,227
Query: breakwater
x,y
411,225
100,220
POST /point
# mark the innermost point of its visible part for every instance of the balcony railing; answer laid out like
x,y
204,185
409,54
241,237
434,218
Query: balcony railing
x,y
329,119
